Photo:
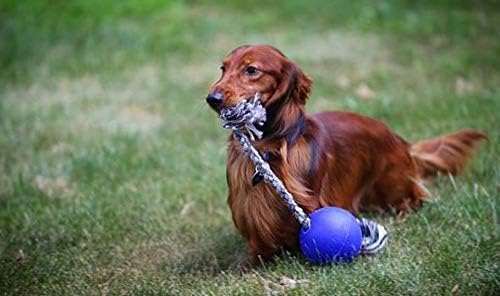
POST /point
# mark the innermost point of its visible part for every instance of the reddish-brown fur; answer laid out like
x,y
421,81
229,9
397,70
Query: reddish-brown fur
x,y
328,159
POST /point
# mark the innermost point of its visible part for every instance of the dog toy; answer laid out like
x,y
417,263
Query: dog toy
x,y
333,236
328,235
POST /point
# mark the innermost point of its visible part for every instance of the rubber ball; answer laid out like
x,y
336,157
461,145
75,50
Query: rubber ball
x,y
334,236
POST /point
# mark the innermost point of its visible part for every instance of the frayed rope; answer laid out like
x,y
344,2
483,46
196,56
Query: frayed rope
x,y
248,116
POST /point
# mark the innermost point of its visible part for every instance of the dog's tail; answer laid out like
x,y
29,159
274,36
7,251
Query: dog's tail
x,y
445,154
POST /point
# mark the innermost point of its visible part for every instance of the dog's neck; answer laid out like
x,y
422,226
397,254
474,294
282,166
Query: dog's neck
x,y
285,120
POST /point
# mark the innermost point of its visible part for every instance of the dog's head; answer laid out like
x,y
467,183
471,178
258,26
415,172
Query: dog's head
x,y
263,69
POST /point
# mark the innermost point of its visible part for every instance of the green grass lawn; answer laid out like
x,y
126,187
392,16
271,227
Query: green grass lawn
x,y
112,167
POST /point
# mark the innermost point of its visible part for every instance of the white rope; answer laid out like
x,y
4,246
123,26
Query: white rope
x,y
249,116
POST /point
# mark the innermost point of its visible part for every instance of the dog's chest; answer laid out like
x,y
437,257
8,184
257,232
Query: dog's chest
x,y
250,202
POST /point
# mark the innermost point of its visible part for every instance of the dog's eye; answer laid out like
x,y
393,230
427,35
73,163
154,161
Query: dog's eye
x,y
251,70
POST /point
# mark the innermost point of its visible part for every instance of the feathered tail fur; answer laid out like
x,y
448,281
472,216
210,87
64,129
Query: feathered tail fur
x,y
445,154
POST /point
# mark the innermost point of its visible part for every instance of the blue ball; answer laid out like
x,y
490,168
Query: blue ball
x,y
333,237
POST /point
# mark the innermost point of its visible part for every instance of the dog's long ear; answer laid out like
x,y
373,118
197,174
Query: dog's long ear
x,y
303,86
294,85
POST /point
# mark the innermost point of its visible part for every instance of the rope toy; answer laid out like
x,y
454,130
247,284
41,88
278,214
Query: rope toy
x,y
328,235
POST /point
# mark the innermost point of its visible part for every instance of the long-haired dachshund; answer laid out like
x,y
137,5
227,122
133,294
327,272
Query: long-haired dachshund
x,y
328,159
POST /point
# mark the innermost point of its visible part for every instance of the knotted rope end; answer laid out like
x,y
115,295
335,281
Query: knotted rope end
x,y
247,116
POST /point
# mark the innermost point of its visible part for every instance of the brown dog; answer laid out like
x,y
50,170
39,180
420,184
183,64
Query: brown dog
x,y
329,159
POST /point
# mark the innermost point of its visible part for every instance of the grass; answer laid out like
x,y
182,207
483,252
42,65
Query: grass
x,y
112,175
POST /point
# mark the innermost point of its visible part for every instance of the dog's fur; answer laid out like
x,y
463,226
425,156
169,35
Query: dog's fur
x,y
328,159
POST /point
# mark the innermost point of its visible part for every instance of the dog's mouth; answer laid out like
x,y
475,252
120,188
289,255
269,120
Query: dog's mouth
x,y
219,106
248,115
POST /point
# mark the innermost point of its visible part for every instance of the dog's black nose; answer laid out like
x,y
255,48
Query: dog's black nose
x,y
215,99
